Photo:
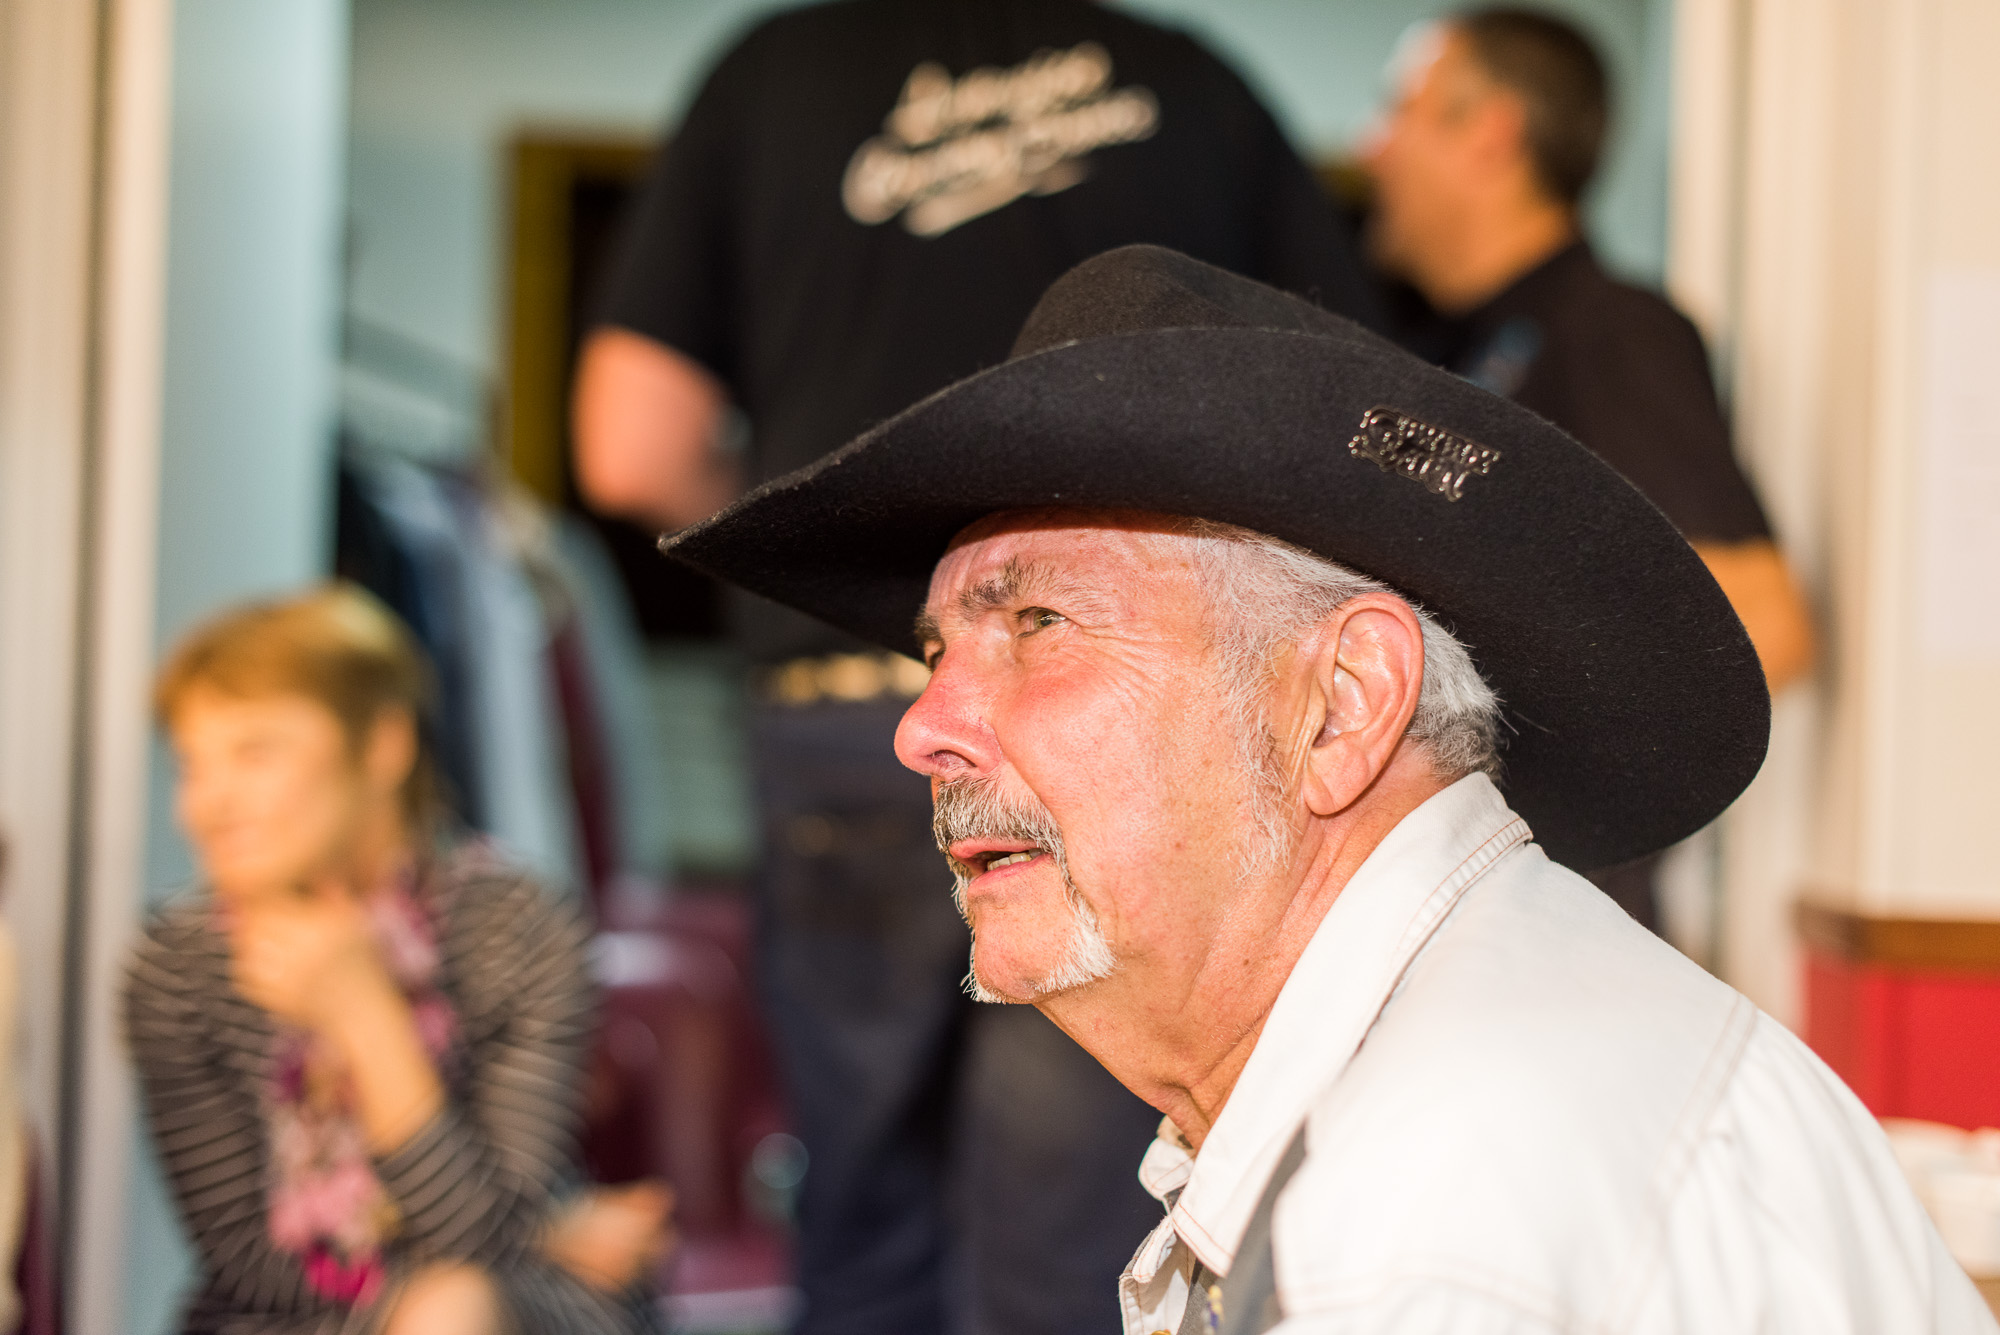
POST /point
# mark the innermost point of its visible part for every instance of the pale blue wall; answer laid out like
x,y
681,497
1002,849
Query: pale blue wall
x,y
259,133
253,285
1319,65
440,84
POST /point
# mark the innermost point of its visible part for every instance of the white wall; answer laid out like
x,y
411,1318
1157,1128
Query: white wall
x,y
253,278
1940,411
1838,222
440,84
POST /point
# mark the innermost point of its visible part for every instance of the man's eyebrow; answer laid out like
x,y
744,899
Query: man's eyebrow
x,y
995,591
1016,580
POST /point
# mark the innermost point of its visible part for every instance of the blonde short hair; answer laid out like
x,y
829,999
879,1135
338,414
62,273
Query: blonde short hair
x,y
336,646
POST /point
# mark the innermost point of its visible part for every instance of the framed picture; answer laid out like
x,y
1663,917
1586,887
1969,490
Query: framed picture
x,y
567,199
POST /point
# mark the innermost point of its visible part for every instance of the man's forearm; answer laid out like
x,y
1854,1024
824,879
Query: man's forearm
x,y
1759,585
647,430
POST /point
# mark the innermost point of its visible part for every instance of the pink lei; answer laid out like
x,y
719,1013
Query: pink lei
x,y
325,1205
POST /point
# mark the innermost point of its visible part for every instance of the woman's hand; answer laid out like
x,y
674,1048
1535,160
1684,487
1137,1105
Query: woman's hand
x,y
313,960
612,1237
309,959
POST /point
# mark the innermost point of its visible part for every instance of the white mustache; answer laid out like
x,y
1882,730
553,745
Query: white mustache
x,y
976,809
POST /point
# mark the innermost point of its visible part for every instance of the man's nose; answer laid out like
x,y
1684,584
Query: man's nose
x,y
944,734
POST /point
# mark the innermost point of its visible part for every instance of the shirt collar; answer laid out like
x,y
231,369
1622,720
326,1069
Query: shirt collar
x,y
1526,290
1376,926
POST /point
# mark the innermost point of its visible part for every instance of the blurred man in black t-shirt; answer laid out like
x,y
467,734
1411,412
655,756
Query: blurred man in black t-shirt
x,y
861,206
1478,170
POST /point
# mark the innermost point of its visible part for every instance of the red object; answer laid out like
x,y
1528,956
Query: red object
x,y
684,1088
590,779
1907,1012
35,1277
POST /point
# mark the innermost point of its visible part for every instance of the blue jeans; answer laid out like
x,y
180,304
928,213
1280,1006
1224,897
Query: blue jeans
x,y
971,1169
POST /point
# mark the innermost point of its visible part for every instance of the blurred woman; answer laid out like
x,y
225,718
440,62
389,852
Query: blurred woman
x,y
362,1043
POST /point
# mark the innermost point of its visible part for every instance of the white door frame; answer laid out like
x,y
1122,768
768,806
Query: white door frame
x,y
84,156
124,551
48,142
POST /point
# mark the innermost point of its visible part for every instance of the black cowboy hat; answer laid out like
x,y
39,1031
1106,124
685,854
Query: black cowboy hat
x,y
1635,708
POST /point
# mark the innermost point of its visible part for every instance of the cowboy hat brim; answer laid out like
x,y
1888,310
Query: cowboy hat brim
x,y
1635,709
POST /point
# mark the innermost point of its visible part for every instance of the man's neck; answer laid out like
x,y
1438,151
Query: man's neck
x,y
1491,250
1181,1040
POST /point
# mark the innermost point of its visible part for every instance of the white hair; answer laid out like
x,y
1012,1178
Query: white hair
x,y
1270,594
1086,956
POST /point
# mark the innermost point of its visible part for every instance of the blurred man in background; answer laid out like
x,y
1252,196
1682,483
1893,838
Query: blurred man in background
x,y
1479,169
862,205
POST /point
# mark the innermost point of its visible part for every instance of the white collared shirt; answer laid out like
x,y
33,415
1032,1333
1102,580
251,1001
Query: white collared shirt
x,y
1524,1113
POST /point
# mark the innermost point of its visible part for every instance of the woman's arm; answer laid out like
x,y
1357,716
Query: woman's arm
x,y
472,1179
478,1178
1760,586
395,1085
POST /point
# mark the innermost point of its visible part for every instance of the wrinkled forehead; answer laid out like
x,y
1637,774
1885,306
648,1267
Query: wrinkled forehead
x,y
1077,523
1122,554
1078,537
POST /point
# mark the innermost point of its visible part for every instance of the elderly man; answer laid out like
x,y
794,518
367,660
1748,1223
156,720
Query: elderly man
x,y
859,208
1275,675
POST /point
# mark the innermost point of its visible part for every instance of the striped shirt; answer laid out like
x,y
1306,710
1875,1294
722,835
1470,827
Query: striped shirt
x,y
475,1185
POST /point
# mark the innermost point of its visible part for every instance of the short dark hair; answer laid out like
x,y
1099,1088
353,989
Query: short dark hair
x,y
1558,75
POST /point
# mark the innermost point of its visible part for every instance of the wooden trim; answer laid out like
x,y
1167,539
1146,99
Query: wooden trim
x,y
542,170
1899,943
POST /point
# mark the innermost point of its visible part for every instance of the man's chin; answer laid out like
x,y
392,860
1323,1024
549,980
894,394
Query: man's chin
x,y
978,989
1001,985
1084,960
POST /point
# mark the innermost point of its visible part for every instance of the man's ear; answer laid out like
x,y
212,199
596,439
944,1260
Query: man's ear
x,y
1501,130
1367,672
391,750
